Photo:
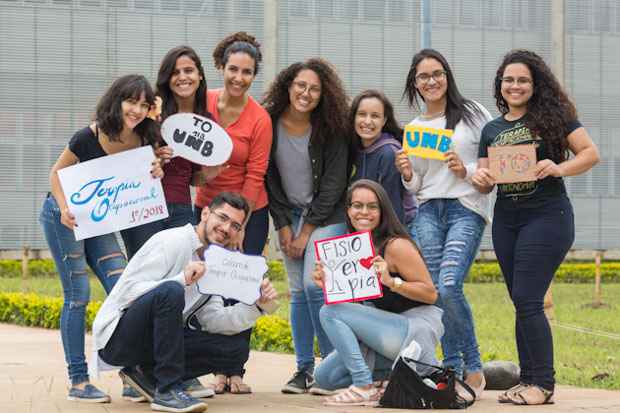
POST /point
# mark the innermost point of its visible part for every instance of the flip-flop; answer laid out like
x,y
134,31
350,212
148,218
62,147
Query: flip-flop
x,y
239,388
532,395
221,387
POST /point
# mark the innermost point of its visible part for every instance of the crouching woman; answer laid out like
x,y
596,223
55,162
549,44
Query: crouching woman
x,y
368,338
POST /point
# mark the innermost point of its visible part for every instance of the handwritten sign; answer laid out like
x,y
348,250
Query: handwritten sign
x,y
349,275
429,143
197,138
232,274
113,192
513,163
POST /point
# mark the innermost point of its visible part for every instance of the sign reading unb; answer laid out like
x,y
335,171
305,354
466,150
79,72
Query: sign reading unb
x,y
197,139
429,143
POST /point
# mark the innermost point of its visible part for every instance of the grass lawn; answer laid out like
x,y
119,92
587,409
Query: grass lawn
x,y
579,356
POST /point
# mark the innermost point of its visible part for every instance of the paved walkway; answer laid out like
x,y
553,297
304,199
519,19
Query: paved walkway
x,y
32,380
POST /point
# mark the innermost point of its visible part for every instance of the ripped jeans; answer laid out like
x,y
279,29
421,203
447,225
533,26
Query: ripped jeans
x,y
448,235
103,255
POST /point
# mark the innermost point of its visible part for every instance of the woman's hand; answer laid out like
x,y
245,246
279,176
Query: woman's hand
x,y
455,164
318,275
68,219
297,247
285,236
156,168
165,153
403,164
483,179
381,268
546,168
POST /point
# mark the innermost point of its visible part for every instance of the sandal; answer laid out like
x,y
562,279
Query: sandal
x,y
221,385
531,395
505,396
237,386
355,396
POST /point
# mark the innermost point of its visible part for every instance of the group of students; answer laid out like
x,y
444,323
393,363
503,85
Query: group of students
x,y
321,167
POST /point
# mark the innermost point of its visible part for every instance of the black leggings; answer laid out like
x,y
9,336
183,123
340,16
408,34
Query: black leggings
x,y
530,244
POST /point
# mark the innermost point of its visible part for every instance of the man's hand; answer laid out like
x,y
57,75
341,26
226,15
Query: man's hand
x,y
268,295
193,271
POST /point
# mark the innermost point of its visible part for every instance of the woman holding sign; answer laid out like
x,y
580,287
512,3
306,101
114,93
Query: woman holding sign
x,y
120,124
238,56
452,214
375,140
384,325
306,180
533,225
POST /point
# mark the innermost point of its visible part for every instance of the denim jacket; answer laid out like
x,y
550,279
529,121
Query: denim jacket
x,y
329,182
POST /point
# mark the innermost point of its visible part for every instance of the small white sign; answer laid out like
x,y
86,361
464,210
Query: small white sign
x,y
197,139
232,274
113,192
347,262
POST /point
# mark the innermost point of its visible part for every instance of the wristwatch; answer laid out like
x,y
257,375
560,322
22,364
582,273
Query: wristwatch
x,y
396,284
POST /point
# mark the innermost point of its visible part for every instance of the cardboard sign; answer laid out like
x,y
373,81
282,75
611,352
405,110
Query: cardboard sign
x,y
232,274
349,275
113,192
513,163
429,143
197,138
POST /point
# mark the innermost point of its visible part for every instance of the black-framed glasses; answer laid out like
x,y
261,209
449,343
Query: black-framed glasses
x,y
521,81
437,75
223,218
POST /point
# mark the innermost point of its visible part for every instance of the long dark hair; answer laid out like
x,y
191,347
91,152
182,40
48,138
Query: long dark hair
x,y
391,126
240,42
457,107
389,226
166,68
329,118
549,110
109,112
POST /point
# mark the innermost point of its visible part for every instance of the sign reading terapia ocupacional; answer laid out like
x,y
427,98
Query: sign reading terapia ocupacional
x,y
232,274
347,262
425,142
197,139
113,192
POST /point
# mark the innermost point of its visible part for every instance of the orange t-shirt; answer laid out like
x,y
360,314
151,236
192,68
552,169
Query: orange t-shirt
x,y
251,135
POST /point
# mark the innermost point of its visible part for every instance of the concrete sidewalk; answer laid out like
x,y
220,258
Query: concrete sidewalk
x,y
32,380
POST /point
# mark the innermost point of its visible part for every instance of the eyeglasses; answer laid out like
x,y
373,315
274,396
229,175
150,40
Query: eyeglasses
x,y
437,75
223,218
521,81
370,207
302,86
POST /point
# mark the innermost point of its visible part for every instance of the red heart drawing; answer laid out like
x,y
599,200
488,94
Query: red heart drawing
x,y
366,262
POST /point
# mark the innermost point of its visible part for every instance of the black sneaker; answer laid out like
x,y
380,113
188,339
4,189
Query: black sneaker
x,y
176,400
301,381
139,380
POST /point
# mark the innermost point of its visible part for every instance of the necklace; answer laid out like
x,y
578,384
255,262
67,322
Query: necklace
x,y
430,116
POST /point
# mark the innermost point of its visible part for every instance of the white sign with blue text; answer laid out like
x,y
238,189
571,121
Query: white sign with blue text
x,y
197,139
113,192
232,274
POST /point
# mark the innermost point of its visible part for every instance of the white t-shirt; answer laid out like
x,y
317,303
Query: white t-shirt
x,y
433,180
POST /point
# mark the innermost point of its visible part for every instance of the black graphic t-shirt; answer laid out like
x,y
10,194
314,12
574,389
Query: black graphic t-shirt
x,y
501,132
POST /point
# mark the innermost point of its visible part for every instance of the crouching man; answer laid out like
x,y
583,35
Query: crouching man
x,y
156,324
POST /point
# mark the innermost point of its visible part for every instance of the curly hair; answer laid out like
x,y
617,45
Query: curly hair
x,y
166,69
549,110
109,113
391,126
457,107
329,118
240,42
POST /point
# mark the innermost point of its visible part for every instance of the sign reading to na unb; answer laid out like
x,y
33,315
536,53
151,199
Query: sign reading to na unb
x,y
197,139
429,143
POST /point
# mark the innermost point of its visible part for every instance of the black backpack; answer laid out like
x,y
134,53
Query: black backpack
x,y
406,389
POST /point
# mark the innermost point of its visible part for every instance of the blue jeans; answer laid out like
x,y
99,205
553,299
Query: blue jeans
x,y
103,255
307,298
178,216
530,244
448,235
349,324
